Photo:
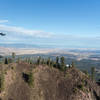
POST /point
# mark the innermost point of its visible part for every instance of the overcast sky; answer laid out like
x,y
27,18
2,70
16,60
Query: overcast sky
x,y
64,23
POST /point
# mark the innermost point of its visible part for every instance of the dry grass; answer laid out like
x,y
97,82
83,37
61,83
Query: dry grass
x,y
49,84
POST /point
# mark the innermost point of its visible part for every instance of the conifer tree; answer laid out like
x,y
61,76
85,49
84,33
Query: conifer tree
x,y
48,61
6,61
62,63
42,61
93,73
57,62
13,55
39,60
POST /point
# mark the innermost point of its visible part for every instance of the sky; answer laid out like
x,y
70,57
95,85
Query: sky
x,y
59,23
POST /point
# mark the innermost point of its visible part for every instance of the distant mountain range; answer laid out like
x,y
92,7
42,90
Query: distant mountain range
x,y
22,45
76,53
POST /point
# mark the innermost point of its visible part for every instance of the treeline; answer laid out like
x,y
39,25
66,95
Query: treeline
x,y
58,63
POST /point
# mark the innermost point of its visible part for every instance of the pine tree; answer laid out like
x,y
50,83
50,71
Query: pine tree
x,y
42,61
93,73
6,61
62,63
39,60
48,61
57,62
13,55
51,63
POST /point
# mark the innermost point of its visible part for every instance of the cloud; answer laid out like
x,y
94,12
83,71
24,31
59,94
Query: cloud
x,y
19,31
3,21
21,35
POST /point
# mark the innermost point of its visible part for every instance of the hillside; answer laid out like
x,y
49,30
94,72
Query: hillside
x,y
46,83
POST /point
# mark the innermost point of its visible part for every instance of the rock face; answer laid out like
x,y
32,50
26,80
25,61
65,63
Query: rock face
x,y
48,84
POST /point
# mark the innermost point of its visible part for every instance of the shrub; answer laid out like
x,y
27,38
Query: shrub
x,y
85,72
28,77
30,80
81,86
75,90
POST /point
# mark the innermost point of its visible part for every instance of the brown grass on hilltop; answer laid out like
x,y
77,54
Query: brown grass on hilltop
x,y
47,84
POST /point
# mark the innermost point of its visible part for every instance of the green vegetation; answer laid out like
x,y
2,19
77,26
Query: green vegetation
x,y
75,89
13,55
65,75
48,61
58,62
5,61
8,60
42,61
31,79
28,77
62,64
93,73
39,60
82,85
85,72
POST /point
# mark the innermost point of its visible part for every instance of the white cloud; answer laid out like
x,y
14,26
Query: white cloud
x,y
13,30
3,21
21,35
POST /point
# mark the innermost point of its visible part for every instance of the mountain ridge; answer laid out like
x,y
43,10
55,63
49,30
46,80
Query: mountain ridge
x,y
48,84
